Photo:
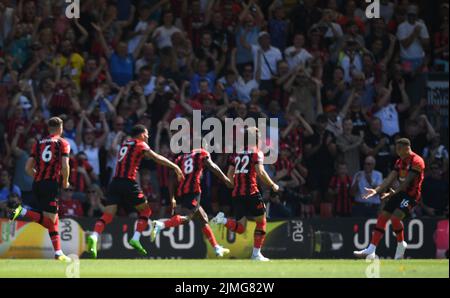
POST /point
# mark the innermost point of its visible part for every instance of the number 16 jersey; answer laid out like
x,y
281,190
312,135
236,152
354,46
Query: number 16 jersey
x,y
244,163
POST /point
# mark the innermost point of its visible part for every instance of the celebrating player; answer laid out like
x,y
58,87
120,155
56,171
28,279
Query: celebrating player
x,y
245,167
124,188
188,195
409,171
49,160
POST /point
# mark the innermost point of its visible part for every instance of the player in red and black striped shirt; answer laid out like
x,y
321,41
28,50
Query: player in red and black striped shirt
x,y
188,195
125,189
245,167
49,161
406,178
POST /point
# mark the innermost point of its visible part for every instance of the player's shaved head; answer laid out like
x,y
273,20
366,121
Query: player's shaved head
x,y
137,130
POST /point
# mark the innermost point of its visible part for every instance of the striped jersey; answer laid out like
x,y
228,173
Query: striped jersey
x,y
129,158
47,153
244,164
192,165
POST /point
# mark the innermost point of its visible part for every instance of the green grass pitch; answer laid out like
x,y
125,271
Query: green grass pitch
x,y
224,268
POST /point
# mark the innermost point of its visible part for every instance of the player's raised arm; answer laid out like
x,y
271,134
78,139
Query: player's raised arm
x,y
383,187
165,162
213,167
262,174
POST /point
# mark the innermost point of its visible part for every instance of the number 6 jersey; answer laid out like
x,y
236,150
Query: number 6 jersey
x,y
245,182
48,153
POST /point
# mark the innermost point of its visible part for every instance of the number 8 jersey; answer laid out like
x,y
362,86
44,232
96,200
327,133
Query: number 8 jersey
x,y
245,182
48,153
192,165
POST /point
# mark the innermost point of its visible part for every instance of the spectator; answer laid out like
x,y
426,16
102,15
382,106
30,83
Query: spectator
x,y
379,145
95,201
339,191
414,39
436,154
162,35
367,178
320,150
435,192
296,54
7,187
81,175
349,146
69,207
21,178
246,83
265,58
87,142
388,112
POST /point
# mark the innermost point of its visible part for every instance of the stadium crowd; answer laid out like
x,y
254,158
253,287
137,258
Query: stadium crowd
x,y
342,86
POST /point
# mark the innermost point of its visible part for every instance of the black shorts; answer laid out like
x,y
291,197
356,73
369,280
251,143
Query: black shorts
x,y
244,206
400,201
165,197
189,201
122,191
46,194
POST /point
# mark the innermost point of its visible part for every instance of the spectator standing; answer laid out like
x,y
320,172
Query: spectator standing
x,y
367,178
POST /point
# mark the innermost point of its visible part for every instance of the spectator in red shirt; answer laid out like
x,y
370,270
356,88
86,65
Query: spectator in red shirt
x,y
339,191
81,174
68,207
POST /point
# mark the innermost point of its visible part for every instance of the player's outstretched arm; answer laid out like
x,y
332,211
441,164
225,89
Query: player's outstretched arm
x,y
165,162
262,174
218,172
412,175
370,192
29,167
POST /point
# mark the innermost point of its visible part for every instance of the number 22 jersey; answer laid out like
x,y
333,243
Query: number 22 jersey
x,y
244,163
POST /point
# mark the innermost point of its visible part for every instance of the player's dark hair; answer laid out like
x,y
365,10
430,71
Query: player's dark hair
x,y
54,122
403,142
137,130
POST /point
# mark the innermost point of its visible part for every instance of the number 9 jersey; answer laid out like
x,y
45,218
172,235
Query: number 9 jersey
x,y
48,153
245,182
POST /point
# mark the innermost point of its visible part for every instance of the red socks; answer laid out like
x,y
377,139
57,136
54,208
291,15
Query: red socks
x,y
34,216
378,231
47,223
173,222
53,232
209,235
397,224
259,234
142,223
234,226
102,222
